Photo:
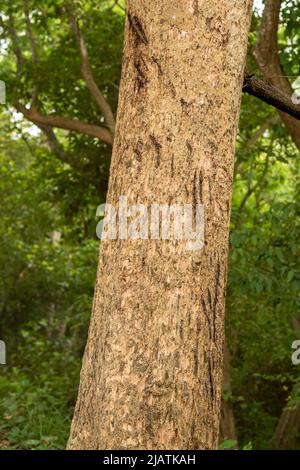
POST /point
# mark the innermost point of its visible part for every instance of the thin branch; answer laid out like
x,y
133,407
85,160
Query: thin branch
x,y
18,130
87,73
65,123
266,125
56,147
45,122
251,190
120,6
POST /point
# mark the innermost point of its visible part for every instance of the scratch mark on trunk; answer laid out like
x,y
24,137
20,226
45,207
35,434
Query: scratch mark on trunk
x,y
208,319
158,148
189,147
142,69
210,374
172,167
216,296
196,353
201,187
157,63
210,190
196,7
195,195
137,29
138,151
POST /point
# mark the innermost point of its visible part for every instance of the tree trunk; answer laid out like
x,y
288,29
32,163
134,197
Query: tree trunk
x,y
286,436
267,57
152,370
287,432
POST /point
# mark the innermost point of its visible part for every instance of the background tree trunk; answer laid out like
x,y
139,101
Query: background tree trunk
x,y
267,58
287,430
152,369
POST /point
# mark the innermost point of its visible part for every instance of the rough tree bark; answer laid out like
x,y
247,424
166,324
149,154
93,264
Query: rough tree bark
x,y
152,370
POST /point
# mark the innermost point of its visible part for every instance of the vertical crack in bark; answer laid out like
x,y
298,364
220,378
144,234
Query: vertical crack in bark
x,y
196,354
157,146
208,319
201,179
211,378
157,63
138,151
216,296
137,29
141,76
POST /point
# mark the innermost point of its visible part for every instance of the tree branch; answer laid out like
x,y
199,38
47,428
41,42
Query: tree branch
x,y
46,122
87,73
271,95
268,124
65,123
56,147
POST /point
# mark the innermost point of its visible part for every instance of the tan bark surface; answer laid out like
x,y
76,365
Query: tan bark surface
x,y
152,370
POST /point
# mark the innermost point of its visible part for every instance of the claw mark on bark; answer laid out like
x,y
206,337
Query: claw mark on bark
x,y
196,7
157,63
141,78
209,298
210,373
195,200
181,330
172,89
172,167
209,190
189,147
184,104
158,148
228,207
137,29
196,353
201,187
138,151
216,296
204,308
